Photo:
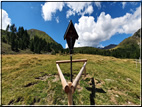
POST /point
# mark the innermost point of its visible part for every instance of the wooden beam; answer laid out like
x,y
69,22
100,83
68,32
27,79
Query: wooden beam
x,y
68,61
85,71
76,80
70,100
64,83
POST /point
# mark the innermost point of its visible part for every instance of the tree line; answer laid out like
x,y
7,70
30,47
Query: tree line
x,y
37,45
20,40
131,51
17,39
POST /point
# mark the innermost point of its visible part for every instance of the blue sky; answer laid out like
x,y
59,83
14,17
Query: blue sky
x,y
98,24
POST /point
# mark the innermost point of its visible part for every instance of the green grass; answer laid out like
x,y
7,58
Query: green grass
x,y
31,79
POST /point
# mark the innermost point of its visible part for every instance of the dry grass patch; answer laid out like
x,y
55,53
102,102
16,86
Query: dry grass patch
x,y
32,79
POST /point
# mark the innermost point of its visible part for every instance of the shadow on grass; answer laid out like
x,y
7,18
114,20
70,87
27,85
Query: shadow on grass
x,y
93,90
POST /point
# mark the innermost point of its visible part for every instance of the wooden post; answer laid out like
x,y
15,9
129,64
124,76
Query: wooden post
x,y
71,67
85,71
64,83
75,82
70,100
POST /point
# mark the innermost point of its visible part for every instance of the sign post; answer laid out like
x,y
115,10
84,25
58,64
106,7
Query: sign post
x,y
71,66
71,57
70,36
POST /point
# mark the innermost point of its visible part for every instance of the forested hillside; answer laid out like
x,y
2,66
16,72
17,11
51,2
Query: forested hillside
x,y
48,43
32,40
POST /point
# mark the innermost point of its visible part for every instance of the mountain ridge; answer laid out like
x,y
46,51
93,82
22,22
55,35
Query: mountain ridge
x,y
110,46
41,34
134,39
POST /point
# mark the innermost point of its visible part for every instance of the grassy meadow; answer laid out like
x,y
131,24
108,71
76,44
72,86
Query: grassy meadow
x,y
32,79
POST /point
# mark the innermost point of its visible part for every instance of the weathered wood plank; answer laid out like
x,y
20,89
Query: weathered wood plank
x,y
68,61
70,100
76,80
63,81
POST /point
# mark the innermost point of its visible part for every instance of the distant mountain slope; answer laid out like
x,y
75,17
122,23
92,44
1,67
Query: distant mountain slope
x,y
110,46
53,44
129,47
132,40
41,34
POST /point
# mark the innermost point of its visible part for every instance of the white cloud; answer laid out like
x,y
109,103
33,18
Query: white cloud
x,y
91,33
123,4
57,19
77,6
50,8
5,19
88,10
69,13
66,46
80,8
100,46
98,4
